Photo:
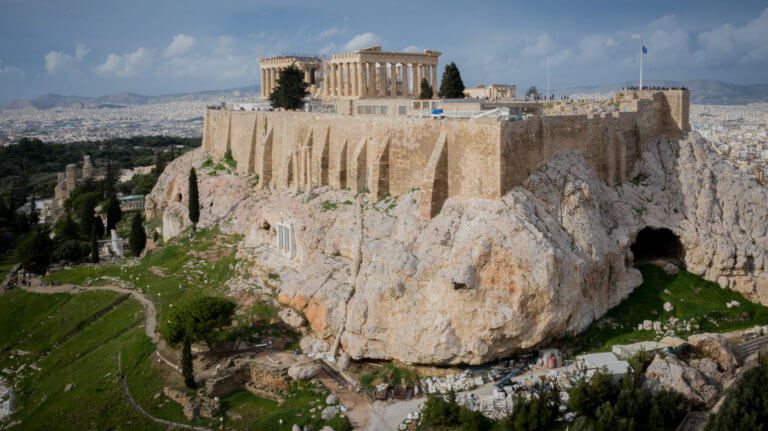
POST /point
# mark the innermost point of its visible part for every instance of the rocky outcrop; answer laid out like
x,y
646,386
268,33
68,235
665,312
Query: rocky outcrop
x,y
717,347
484,278
673,374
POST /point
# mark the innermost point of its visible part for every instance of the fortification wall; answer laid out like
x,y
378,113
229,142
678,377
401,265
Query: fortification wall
x,y
610,143
480,158
380,154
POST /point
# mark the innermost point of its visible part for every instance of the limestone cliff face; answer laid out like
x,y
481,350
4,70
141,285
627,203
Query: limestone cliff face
x,y
484,278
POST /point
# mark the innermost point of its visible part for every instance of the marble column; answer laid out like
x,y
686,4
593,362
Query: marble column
x,y
333,80
263,76
406,80
306,74
326,81
353,79
382,81
417,83
347,80
339,80
360,68
393,79
434,81
370,84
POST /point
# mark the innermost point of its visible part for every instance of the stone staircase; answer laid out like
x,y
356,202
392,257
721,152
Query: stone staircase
x,y
747,348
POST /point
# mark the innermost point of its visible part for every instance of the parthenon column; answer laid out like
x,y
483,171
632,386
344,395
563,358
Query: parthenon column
x,y
434,81
326,81
392,79
371,85
417,83
263,84
406,80
353,78
305,70
270,80
383,79
360,79
334,79
347,80
339,80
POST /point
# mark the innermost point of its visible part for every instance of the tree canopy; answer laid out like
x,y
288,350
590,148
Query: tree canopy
x,y
35,253
746,403
451,85
198,320
290,90
138,238
426,90
194,199
532,92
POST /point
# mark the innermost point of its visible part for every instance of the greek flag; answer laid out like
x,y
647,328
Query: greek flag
x,y
645,51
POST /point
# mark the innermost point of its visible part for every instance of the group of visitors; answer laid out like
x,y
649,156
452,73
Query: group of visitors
x,y
645,87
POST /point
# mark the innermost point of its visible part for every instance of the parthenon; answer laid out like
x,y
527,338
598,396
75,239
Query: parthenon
x,y
366,73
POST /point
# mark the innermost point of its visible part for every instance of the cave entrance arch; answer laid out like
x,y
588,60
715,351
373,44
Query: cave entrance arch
x,y
654,244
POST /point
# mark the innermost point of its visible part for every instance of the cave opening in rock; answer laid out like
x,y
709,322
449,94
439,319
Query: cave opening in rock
x,y
654,244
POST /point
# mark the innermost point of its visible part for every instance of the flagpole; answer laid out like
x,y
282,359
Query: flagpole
x,y
547,78
641,65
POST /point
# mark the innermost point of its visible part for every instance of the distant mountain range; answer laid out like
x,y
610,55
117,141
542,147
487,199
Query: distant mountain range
x,y
703,91
116,100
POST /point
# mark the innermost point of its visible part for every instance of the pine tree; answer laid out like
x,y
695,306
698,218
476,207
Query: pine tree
x,y
532,92
194,200
290,90
186,364
34,214
114,213
99,226
426,90
138,238
94,246
110,178
451,85
87,216
35,254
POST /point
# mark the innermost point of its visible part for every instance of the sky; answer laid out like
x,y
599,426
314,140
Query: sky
x,y
93,48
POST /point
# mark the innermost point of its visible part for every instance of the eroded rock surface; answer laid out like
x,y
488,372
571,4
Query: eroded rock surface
x,y
484,278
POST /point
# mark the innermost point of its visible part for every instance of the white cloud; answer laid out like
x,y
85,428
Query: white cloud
x,y
81,51
413,48
127,65
541,47
333,31
10,70
58,61
729,43
181,44
224,45
364,40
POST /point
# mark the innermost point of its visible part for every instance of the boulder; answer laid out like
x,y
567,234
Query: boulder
x,y
329,412
292,318
313,345
668,307
331,399
343,362
304,371
716,347
673,374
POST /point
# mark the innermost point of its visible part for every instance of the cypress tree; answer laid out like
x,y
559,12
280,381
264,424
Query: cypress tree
x,y
426,90
186,364
35,254
94,246
290,90
99,226
451,85
114,213
138,238
194,200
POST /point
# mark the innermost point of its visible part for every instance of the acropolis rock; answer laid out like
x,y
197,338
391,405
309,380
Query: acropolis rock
x,y
484,278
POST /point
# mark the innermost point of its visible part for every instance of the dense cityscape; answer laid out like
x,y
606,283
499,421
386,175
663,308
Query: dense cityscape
x,y
738,132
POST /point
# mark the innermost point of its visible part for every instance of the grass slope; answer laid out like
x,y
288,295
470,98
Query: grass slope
x,y
693,298
66,351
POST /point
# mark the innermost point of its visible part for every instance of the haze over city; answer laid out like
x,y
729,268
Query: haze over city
x,y
89,48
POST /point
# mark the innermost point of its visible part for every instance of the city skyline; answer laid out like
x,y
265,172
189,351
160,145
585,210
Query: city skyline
x,y
93,49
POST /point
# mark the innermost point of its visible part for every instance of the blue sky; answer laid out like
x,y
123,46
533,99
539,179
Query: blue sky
x,y
93,48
